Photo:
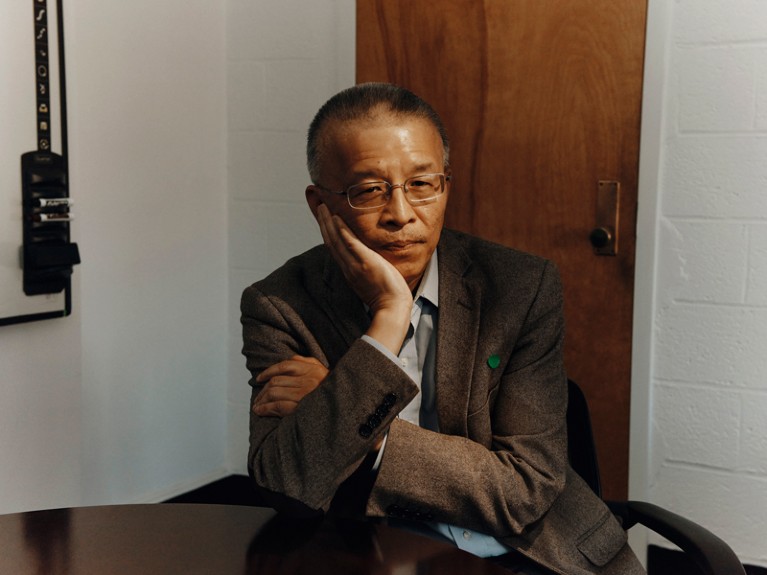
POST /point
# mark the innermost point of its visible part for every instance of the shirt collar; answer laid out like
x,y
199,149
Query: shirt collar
x,y
429,286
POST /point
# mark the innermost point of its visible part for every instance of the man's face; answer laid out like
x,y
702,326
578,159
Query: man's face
x,y
392,149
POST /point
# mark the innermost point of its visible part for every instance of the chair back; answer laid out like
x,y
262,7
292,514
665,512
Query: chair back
x,y
581,449
705,553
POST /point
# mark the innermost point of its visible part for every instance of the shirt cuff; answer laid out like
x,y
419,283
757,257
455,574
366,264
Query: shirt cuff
x,y
377,462
384,350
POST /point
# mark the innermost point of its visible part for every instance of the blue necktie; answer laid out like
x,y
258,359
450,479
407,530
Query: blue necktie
x,y
425,343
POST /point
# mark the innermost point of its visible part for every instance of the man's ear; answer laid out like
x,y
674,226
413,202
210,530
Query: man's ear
x,y
313,198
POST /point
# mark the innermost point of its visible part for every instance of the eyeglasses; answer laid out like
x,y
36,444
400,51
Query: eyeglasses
x,y
418,190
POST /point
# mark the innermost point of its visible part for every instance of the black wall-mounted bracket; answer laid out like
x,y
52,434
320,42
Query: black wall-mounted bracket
x,y
38,285
47,254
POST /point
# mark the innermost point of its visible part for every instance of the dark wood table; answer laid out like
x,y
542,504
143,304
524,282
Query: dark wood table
x,y
217,539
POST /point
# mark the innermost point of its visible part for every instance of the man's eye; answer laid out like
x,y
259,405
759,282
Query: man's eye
x,y
368,189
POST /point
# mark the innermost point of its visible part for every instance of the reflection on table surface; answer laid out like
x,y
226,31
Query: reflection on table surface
x,y
213,539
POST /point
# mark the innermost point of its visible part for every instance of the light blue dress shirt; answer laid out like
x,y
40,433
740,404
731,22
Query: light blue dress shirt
x,y
416,359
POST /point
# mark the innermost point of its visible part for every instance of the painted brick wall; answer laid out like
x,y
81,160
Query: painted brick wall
x,y
709,406
285,58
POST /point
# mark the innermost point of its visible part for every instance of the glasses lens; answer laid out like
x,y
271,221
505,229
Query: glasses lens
x,y
418,189
424,188
367,195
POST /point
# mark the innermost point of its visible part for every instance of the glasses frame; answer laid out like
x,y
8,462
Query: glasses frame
x,y
444,179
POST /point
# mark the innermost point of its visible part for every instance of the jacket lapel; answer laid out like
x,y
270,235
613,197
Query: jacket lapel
x,y
457,334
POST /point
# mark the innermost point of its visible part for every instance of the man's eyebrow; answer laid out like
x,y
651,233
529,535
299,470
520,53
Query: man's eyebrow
x,y
366,175
417,170
423,168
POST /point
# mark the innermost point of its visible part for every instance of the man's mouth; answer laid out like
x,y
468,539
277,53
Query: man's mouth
x,y
401,245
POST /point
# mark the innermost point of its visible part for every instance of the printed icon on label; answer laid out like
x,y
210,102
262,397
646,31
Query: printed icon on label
x,y
44,144
44,126
40,14
42,71
42,52
41,33
43,108
41,89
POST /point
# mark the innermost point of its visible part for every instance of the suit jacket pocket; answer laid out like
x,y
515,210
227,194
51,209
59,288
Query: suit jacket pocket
x,y
604,541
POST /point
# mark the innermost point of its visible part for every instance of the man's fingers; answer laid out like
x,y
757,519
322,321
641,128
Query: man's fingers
x,y
296,365
323,214
346,248
290,380
351,243
281,387
374,279
304,359
329,230
275,408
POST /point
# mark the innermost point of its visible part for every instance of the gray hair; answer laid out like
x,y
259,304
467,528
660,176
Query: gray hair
x,y
361,102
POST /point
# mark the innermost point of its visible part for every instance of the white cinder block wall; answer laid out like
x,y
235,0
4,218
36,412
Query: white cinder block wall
x,y
285,58
708,456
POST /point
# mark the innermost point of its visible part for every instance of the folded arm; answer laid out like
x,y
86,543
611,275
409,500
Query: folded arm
x,y
299,458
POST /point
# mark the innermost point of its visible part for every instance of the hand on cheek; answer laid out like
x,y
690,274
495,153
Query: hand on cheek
x,y
373,279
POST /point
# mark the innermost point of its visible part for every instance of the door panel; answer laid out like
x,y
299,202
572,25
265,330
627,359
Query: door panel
x,y
541,99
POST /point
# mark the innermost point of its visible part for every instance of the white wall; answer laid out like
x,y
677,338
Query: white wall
x,y
703,238
278,76
132,399
125,400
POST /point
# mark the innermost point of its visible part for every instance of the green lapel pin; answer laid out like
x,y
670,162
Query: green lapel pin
x,y
493,361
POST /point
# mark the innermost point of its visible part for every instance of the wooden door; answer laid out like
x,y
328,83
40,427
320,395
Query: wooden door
x,y
541,99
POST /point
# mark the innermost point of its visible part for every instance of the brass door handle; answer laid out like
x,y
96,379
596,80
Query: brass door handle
x,y
600,237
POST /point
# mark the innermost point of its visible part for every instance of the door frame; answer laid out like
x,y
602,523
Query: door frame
x,y
657,45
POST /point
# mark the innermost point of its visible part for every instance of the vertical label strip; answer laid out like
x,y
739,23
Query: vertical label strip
x,y
42,75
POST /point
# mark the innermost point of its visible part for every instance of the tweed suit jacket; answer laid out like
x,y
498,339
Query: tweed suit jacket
x,y
499,462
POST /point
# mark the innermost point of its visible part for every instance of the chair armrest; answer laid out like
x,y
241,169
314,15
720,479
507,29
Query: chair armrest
x,y
710,553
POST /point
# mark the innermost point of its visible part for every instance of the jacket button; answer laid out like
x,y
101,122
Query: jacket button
x,y
365,430
390,399
374,421
394,510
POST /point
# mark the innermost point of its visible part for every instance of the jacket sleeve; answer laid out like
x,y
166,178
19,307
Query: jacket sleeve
x,y
298,462
505,482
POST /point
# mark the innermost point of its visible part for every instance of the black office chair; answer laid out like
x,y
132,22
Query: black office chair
x,y
707,551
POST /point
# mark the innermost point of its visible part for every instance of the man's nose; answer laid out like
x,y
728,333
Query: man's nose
x,y
398,210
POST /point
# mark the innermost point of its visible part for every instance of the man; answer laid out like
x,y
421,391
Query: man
x,y
402,370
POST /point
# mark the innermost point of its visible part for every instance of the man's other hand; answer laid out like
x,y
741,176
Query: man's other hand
x,y
287,383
